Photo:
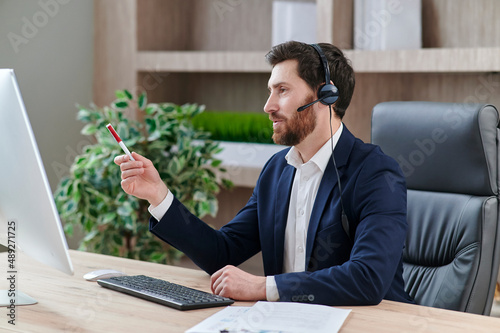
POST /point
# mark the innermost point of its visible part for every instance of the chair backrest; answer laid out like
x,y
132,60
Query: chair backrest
x,y
449,155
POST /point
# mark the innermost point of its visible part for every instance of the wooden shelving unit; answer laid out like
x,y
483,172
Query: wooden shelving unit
x,y
191,51
197,51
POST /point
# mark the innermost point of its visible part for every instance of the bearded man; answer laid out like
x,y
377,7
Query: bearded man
x,y
328,213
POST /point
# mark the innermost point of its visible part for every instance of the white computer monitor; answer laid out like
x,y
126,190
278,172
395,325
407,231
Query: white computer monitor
x,y
26,199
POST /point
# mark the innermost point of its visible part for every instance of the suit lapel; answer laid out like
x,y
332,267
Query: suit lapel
x,y
282,202
328,183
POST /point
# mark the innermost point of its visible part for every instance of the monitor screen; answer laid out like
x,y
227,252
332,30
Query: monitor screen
x,y
27,209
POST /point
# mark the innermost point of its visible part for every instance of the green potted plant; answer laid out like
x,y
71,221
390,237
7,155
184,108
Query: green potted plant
x,y
90,197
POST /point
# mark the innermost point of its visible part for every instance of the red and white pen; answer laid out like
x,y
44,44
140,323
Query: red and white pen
x,y
119,140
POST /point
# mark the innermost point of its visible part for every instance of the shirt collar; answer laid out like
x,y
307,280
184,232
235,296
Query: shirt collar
x,y
321,157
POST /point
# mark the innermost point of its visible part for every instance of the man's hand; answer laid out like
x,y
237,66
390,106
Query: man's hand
x,y
234,283
141,179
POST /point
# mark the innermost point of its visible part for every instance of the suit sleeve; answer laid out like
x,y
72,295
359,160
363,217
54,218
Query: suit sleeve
x,y
212,249
379,201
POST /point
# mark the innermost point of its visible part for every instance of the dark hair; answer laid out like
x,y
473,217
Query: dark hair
x,y
311,70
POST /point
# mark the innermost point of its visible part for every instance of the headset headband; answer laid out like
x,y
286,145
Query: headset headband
x,y
324,61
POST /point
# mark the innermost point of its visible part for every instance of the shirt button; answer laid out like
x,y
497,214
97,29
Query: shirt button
x,y
300,249
301,212
305,178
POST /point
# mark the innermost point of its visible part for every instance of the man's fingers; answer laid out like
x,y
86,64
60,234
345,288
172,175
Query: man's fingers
x,y
127,185
235,283
215,287
219,285
131,165
218,279
132,172
121,159
138,157
214,279
125,158
219,289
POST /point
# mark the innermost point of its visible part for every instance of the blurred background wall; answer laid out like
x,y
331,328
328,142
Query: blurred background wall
x,y
49,44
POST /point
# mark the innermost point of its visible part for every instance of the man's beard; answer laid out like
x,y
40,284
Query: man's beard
x,y
300,125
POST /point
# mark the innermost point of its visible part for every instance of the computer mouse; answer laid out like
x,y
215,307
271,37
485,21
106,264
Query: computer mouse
x,y
102,274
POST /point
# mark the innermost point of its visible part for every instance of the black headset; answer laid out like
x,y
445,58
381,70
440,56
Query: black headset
x,y
327,95
327,92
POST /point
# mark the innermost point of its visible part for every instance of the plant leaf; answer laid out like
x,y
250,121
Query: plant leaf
x,y
89,129
121,104
150,109
142,101
128,94
216,163
120,94
125,209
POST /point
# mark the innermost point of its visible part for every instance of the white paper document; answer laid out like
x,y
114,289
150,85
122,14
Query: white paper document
x,y
274,317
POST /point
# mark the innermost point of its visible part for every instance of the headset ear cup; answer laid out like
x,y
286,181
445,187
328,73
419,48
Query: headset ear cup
x,y
328,94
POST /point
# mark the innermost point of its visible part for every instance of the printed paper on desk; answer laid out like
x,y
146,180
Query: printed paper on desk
x,y
224,320
275,317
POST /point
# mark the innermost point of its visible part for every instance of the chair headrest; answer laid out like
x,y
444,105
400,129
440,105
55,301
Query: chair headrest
x,y
443,147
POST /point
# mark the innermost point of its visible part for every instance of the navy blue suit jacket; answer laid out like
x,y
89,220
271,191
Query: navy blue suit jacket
x,y
339,272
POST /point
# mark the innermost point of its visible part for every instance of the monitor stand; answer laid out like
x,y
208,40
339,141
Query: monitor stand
x,y
20,298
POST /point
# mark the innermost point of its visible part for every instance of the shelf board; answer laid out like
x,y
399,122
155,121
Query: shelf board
x,y
203,61
446,60
244,161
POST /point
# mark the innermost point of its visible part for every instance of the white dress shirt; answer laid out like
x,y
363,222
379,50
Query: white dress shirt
x,y
304,189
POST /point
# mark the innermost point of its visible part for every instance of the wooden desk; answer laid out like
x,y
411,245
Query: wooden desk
x,y
71,304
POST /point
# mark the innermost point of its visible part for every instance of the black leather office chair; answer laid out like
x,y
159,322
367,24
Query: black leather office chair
x,y
450,156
